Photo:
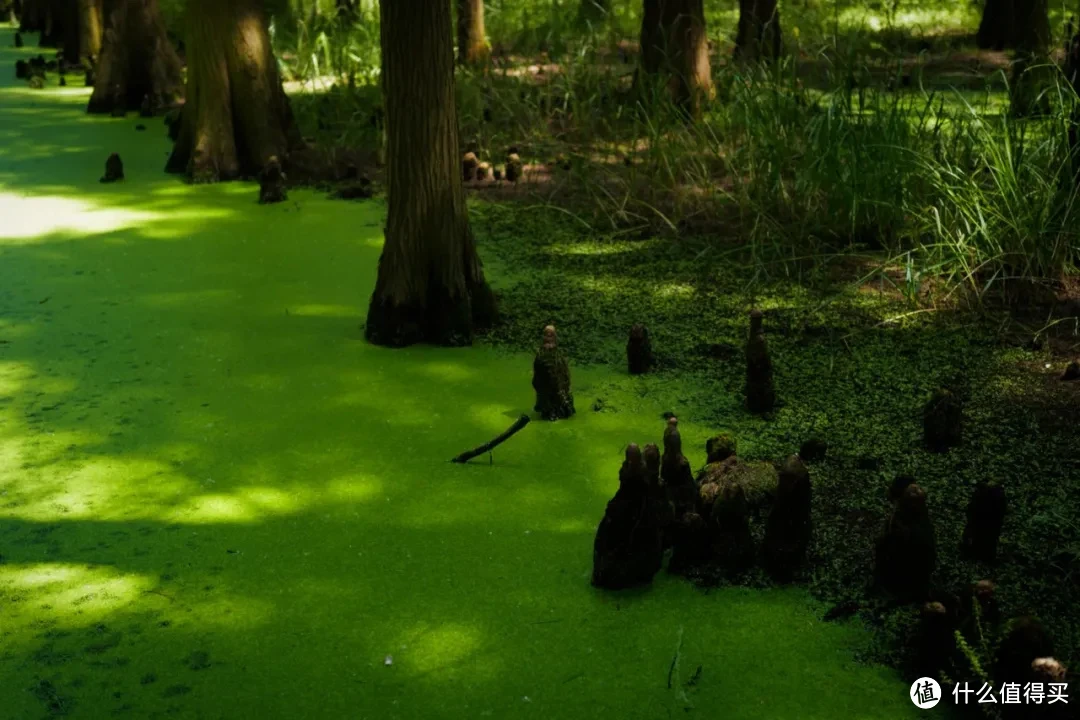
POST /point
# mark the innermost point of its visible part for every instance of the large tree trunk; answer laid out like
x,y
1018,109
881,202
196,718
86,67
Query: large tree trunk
x,y
431,285
138,63
1032,71
83,36
30,19
1032,28
472,45
236,116
759,36
54,17
673,42
652,38
996,31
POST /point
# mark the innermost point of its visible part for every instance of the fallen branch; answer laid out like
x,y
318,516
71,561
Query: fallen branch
x,y
491,445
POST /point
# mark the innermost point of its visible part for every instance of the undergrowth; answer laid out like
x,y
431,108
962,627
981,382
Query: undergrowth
x,y
853,365
862,156
843,148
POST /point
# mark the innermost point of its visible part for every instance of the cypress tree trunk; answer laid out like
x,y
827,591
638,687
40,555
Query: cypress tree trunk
x,y
54,16
652,38
674,42
83,37
137,60
759,36
996,31
1031,71
30,19
1032,27
430,285
236,115
472,45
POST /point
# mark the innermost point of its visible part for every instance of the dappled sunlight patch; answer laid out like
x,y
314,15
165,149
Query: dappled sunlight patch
x,y
219,508
29,219
178,227
676,290
409,411
598,248
103,488
233,612
81,594
313,310
492,415
602,284
451,372
354,488
13,373
579,526
185,298
429,649
269,500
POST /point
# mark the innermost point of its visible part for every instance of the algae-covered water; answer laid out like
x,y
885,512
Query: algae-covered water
x,y
218,501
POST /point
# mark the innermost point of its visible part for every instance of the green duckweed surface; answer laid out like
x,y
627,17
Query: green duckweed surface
x,y
217,501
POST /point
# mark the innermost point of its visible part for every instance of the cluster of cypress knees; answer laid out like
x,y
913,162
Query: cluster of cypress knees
x,y
702,525
34,70
472,169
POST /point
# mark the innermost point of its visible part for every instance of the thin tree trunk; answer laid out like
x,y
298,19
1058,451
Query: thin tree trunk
x,y
236,116
138,63
674,42
472,45
759,36
430,285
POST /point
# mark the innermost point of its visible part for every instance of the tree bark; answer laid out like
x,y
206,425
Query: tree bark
x,y
236,115
759,36
1032,71
996,29
54,16
674,43
30,19
473,49
1032,27
430,285
83,35
652,38
137,60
